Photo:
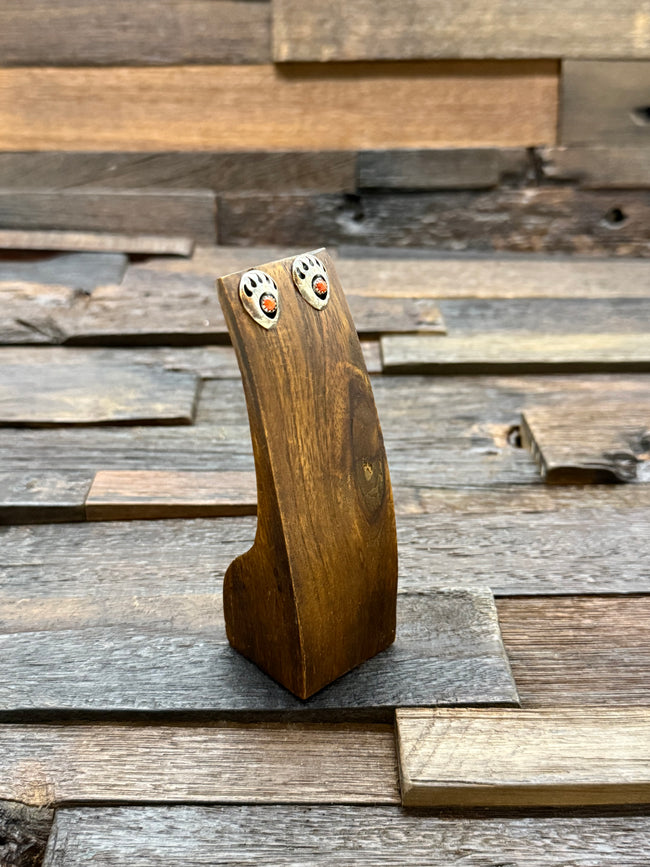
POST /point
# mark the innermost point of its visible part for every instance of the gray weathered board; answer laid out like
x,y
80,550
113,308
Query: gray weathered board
x,y
338,836
95,242
448,651
524,758
597,167
24,833
28,497
41,393
75,271
307,30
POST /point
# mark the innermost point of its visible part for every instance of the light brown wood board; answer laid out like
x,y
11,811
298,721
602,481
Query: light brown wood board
x,y
262,107
95,242
417,29
524,758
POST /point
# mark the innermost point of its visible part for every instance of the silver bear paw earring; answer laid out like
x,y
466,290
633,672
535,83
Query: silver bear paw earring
x,y
259,295
311,280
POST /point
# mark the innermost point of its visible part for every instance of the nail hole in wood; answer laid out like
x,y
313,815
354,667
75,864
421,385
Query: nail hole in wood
x,y
641,115
514,436
615,217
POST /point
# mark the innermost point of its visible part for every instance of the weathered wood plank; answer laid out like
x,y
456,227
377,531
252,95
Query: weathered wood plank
x,y
136,32
416,29
562,758
551,219
443,169
28,498
448,651
608,441
81,271
39,393
579,650
271,763
95,242
188,214
24,833
516,353
595,167
262,107
337,837
605,103
321,171
142,494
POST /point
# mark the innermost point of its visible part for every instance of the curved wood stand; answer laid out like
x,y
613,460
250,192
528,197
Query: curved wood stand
x,y
316,594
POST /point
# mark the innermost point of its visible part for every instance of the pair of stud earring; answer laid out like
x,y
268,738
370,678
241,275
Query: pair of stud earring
x,y
259,293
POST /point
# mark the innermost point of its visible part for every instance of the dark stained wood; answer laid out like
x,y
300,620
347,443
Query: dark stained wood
x,y
579,650
605,103
448,651
176,213
597,167
440,169
74,271
261,107
514,352
266,763
315,595
140,32
24,832
337,837
563,757
142,494
416,29
95,242
28,498
607,441
39,393
322,171
554,219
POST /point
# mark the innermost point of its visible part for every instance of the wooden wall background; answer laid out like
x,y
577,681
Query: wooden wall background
x,y
486,125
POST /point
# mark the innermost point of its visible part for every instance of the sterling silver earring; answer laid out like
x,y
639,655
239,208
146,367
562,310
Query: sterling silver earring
x,y
310,277
259,295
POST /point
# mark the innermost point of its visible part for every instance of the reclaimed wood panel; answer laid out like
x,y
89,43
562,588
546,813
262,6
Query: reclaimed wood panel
x,y
262,107
579,650
562,758
448,651
337,836
95,242
24,833
516,353
142,494
417,29
28,498
186,214
594,167
322,171
138,32
109,393
221,763
607,441
75,271
605,102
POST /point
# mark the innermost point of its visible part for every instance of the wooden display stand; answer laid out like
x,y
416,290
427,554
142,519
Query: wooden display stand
x,y
316,594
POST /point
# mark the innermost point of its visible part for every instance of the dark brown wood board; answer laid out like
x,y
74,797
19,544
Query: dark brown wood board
x,y
27,498
605,103
41,393
606,441
261,107
127,212
597,167
337,837
448,651
416,29
215,763
142,32
24,833
95,242
578,757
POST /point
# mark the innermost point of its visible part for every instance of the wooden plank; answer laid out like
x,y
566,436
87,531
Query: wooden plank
x,y
219,763
602,442
448,651
516,353
442,169
29,498
563,758
76,271
578,650
545,219
95,242
81,34
605,103
142,494
24,832
275,171
337,837
188,214
262,107
418,29
106,393
595,167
